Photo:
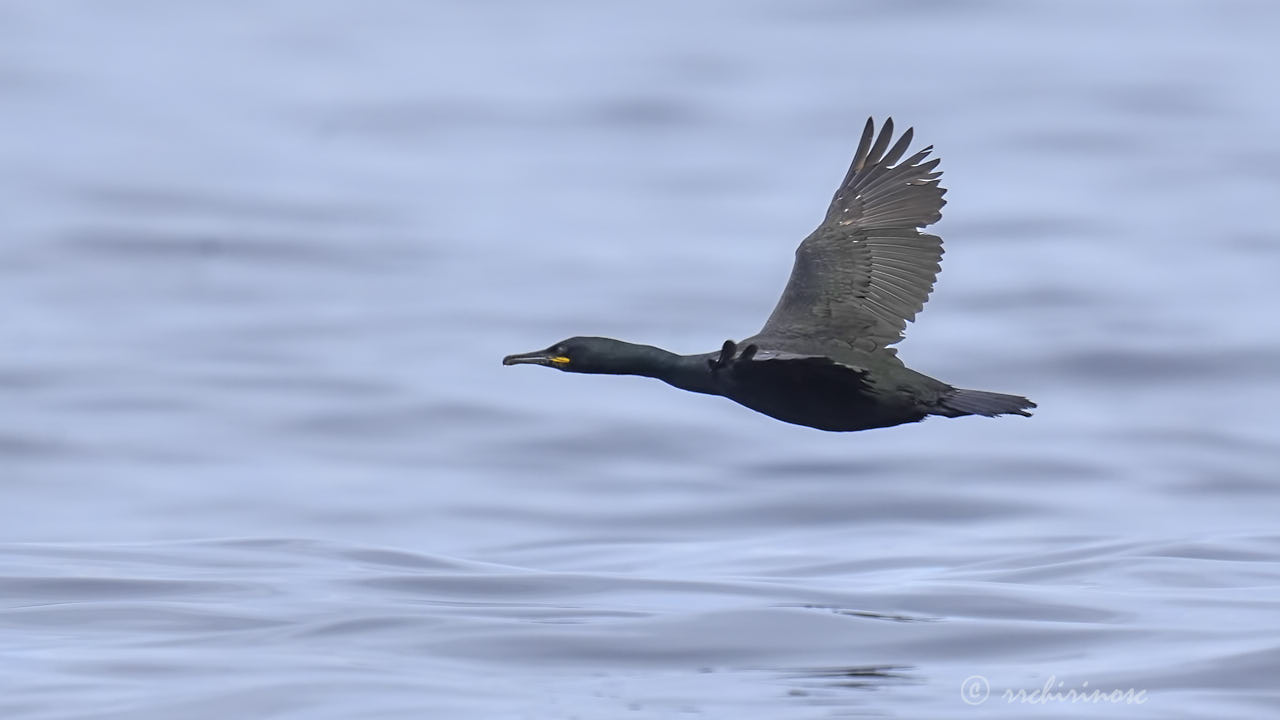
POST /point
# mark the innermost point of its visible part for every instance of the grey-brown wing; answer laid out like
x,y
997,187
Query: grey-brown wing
x,y
867,270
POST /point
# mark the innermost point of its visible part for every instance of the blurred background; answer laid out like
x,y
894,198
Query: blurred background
x,y
259,263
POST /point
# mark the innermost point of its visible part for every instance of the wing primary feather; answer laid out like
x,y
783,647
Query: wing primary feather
x,y
921,155
860,157
926,169
882,142
899,148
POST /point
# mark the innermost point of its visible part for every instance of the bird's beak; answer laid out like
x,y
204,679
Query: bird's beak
x,y
538,357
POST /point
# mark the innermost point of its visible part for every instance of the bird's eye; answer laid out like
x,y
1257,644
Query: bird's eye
x,y
560,356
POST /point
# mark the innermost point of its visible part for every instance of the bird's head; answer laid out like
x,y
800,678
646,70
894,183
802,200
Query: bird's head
x,y
584,355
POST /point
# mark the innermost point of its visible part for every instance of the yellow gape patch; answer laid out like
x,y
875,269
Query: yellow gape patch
x,y
560,360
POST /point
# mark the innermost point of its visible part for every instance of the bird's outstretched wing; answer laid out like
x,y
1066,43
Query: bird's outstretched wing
x,y
867,270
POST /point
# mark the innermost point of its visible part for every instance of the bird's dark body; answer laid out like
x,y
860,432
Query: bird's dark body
x,y
822,394
810,389
823,358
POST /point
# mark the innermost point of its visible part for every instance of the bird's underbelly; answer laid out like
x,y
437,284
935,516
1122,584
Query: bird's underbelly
x,y
827,396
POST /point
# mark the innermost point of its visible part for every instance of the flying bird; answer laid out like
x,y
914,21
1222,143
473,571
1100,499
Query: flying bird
x,y
824,357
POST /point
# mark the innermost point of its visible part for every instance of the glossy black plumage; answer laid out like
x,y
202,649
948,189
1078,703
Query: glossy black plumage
x,y
822,358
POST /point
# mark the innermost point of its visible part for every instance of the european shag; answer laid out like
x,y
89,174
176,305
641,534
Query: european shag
x,y
823,358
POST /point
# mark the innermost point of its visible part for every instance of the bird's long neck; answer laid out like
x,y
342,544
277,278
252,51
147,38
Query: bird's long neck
x,y
687,372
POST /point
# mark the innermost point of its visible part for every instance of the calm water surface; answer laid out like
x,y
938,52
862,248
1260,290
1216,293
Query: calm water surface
x,y
258,457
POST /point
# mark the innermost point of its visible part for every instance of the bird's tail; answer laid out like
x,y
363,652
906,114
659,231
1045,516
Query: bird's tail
x,y
957,402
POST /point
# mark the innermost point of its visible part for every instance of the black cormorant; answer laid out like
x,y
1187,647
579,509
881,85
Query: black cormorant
x,y
823,358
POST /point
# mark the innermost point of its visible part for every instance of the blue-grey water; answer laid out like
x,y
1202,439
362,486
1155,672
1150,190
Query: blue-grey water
x,y
258,458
